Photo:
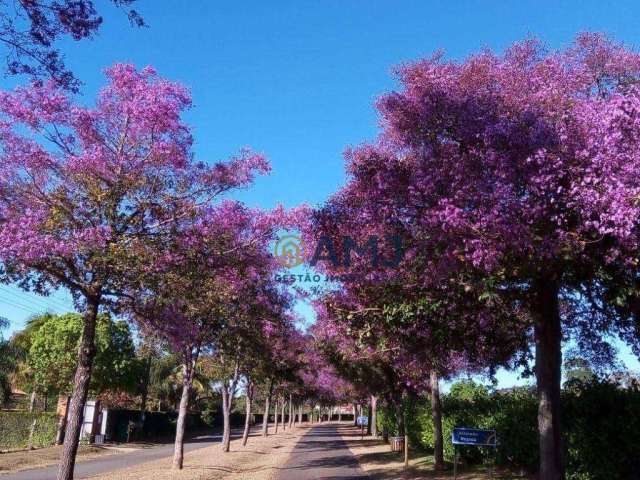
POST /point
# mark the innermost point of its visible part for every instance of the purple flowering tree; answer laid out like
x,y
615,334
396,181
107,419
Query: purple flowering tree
x,y
82,189
208,290
517,175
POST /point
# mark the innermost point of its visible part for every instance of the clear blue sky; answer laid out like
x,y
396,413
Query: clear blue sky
x,y
296,79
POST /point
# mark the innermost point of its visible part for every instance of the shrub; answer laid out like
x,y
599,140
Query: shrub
x,y
15,428
209,416
601,426
602,423
386,421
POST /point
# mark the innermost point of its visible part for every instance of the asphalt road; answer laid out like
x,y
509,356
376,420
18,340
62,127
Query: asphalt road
x,y
116,461
322,454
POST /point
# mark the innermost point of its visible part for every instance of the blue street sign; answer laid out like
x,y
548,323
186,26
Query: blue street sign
x,y
362,421
474,436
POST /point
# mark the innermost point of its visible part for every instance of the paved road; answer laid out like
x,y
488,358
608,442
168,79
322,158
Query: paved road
x,y
322,454
109,463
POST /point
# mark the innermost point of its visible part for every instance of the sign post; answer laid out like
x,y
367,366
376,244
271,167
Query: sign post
x,y
455,461
471,436
362,421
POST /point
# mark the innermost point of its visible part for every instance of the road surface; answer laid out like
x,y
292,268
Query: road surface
x,y
116,461
322,454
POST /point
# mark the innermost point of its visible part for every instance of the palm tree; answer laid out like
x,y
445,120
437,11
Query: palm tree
x,y
7,364
21,344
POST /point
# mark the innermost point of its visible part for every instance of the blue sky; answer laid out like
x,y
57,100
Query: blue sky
x,y
296,79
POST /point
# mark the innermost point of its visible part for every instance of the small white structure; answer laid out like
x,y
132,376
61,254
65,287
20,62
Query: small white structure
x,y
92,421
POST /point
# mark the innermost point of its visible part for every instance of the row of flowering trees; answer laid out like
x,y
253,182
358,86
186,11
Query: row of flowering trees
x,y
513,183
510,181
108,202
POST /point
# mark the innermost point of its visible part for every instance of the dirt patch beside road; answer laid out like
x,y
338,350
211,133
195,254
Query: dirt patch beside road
x,y
259,460
41,457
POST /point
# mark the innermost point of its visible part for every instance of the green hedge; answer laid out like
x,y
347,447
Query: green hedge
x,y
600,422
603,431
15,428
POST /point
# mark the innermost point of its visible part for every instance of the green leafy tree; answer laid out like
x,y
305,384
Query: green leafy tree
x,y
52,355
577,369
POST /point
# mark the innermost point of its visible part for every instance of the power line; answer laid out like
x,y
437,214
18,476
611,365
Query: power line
x,y
26,308
46,301
34,305
43,298
21,307
19,303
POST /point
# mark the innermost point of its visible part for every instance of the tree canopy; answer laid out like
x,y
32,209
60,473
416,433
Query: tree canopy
x,y
52,357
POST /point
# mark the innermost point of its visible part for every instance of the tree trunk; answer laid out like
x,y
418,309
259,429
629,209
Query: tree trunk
x,y
548,337
265,420
290,411
86,353
436,416
355,415
226,421
178,449
228,392
400,418
406,436
275,416
32,431
406,449
145,385
32,402
374,415
282,415
247,419
369,416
